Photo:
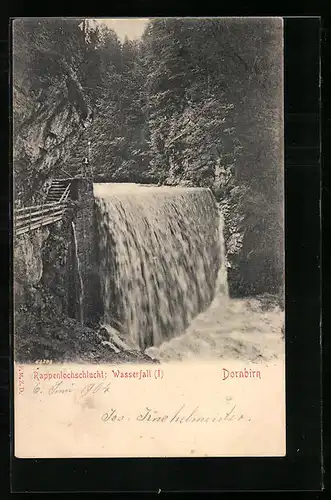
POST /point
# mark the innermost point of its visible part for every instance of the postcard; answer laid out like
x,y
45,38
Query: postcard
x,y
148,237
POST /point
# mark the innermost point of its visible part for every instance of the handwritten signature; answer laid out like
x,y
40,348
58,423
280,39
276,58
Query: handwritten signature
x,y
182,415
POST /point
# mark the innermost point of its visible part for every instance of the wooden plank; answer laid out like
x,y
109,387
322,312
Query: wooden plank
x,y
63,180
38,210
42,212
24,209
20,223
23,218
36,218
32,210
65,172
34,206
65,194
26,229
36,225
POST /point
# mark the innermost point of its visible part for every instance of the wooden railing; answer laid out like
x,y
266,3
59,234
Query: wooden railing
x,y
66,193
29,218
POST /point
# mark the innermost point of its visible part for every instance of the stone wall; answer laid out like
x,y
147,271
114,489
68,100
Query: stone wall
x,y
84,221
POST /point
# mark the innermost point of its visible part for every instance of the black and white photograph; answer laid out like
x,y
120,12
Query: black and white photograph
x,y
148,190
148,237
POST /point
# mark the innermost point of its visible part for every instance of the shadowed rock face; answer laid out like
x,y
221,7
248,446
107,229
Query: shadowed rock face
x,y
159,257
40,148
50,105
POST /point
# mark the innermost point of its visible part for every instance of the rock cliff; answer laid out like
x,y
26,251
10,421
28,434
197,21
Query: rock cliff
x,y
51,108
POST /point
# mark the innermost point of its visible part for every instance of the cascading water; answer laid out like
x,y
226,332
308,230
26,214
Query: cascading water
x,y
160,257
80,290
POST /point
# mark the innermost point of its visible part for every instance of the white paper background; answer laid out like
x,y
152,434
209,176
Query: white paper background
x,y
69,424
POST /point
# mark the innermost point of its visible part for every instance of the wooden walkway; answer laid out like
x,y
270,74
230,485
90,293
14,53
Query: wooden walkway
x,y
34,217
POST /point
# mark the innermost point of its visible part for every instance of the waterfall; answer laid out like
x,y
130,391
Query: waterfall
x,y
79,274
160,255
